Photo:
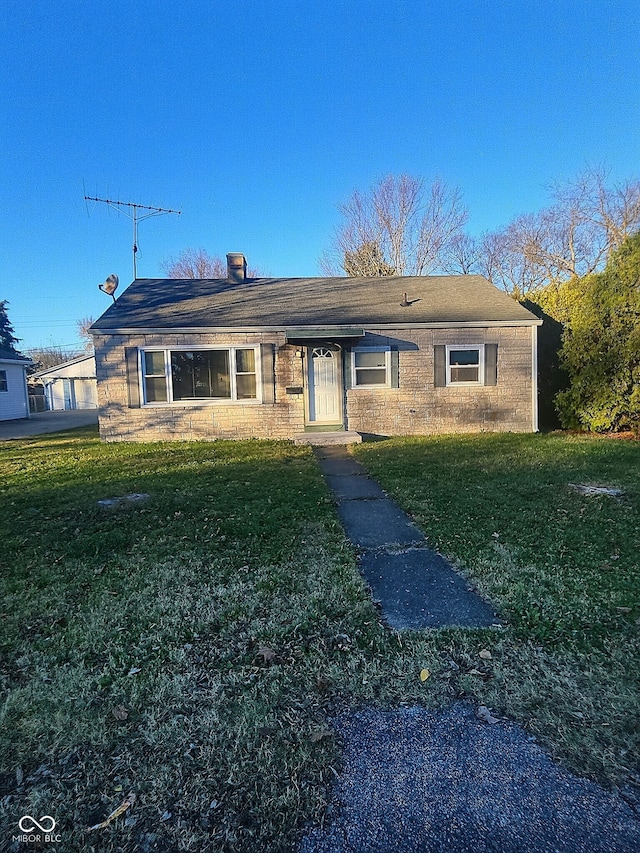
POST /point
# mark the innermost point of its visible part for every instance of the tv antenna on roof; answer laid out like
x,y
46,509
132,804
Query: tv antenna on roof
x,y
134,217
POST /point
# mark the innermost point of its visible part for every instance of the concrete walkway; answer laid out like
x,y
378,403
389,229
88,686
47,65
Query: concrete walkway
x,y
415,587
419,780
44,422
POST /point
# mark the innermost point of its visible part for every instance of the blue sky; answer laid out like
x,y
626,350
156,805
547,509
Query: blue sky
x,y
257,118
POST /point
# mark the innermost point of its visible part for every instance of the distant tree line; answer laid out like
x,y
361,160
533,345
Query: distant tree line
x,y
576,263
43,357
198,263
404,226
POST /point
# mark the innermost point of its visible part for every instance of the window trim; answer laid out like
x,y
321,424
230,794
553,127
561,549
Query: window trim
x,y
200,401
387,366
4,381
449,348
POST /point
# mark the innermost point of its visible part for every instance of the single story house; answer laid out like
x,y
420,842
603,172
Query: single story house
x,y
14,396
71,385
278,357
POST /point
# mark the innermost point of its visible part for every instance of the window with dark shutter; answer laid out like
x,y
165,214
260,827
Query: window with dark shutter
x,y
465,364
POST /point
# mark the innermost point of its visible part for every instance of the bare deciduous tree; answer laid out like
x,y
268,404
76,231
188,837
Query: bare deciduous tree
x,y
398,227
83,327
45,357
198,263
586,221
463,255
507,258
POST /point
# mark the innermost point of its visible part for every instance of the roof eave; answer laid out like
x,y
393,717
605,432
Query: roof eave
x,y
334,329
65,364
25,362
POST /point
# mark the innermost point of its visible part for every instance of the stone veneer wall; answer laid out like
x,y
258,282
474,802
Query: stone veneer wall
x,y
417,407
195,421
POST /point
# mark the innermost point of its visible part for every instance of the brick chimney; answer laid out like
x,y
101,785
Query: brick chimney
x,y
236,267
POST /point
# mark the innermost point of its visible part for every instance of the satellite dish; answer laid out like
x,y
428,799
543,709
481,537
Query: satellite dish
x,y
110,286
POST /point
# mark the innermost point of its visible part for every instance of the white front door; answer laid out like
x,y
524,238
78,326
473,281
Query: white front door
x,y
325,396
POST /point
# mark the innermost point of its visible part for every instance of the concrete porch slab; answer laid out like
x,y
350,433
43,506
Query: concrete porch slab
x,y
327,438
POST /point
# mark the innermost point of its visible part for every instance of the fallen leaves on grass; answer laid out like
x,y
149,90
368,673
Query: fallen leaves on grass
x,y
485,715
127,803
268,655
120,712
424,674
485,654
267,731
316,737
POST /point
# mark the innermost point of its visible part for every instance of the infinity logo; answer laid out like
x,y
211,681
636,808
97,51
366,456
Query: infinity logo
x,y
39,824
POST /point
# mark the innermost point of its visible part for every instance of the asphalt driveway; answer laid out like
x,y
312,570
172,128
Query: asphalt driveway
x,y
44,422
416,780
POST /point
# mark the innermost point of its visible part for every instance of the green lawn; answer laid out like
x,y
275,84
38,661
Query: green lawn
x,y
191,647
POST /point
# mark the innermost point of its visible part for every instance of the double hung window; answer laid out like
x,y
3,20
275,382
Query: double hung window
x,y
4,385
371,367
465,365
172,376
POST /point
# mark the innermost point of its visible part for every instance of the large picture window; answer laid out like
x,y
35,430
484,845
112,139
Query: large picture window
x,y
198,374
371,367
172,376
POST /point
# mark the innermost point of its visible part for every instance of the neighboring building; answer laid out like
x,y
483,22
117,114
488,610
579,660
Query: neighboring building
x,y
14,397
37,400
70,385
274,357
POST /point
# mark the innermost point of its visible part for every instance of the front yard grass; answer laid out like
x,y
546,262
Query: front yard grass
x,y
562,568
190,647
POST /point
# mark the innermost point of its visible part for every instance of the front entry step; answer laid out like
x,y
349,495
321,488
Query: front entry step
x,y
327,438
324,428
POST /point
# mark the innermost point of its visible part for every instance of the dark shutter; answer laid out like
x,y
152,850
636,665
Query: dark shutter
x,y
440,366
348,360
133,380
491,364
395,368
268,373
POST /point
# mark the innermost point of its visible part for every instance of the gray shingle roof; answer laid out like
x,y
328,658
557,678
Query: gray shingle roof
x,y
285,302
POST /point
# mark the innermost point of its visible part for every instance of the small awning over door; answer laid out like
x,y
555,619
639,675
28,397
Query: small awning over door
x,y
328,334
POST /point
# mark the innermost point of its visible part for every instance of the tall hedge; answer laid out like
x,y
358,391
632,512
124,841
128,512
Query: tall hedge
x,y
601,347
